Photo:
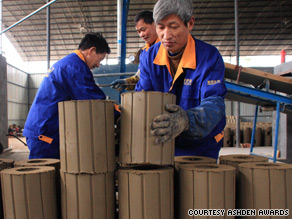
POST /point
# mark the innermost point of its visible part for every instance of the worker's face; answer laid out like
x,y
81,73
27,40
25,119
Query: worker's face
x,y
146,31
173,33
93,59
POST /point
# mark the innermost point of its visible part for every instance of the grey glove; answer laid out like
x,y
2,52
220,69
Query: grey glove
x,y
167,126
119,84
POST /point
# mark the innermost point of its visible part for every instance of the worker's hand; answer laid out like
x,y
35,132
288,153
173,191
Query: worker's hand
x,y
167,126
119,84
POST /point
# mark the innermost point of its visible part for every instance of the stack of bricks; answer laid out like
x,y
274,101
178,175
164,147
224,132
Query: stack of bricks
x,y
87,157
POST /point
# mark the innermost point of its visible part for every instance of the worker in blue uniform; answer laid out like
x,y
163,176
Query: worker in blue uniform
x,y
145,28
68,79
192,70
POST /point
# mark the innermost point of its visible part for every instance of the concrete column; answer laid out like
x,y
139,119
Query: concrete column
x,y
284,136
3,103
285,124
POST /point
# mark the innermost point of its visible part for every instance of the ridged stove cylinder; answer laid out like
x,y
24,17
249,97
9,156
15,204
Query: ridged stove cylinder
x,y
181,160
186,160
265,186
87,196
146,192
4,164
29,192
136,143
45,162
38,162
206,186
87,142
235,159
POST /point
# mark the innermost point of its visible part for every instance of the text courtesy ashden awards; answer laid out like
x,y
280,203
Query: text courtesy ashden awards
x,y
238,212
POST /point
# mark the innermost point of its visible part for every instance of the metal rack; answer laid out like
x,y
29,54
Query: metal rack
x,y
259,97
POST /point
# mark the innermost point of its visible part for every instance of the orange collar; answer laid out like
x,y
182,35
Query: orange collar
x,y
188,59
80,55
147,46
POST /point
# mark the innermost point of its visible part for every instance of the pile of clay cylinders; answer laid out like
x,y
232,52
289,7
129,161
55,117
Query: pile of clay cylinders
x,y
265,186
146,191
29,192
87,157
263,133
146,174
205,186
136,143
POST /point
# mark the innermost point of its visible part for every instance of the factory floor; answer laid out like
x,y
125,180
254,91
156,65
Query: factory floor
x,y
18,151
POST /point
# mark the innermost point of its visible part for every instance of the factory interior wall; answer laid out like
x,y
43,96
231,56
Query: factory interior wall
x,y
17,96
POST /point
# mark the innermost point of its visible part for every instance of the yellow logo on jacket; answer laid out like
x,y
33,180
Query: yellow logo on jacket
x,y
49,71
187,81
212,82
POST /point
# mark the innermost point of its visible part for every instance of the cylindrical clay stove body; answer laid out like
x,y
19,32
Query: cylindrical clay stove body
x,y
206,186
29,192
87,196
146,192
45,162
265,186
181,160
186,160
4,164
137,144
87,142
236,159
38,162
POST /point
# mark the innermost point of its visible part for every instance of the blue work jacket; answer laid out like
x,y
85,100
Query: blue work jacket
x,y
199,87
145,49
68,79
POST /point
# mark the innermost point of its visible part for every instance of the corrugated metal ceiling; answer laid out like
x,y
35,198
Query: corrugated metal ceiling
x,y
265,25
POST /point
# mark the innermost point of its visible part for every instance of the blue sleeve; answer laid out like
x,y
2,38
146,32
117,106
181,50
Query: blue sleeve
x,y
204,118
144,82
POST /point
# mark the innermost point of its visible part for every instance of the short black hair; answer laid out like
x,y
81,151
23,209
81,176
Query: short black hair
x,y
147,16
94,40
